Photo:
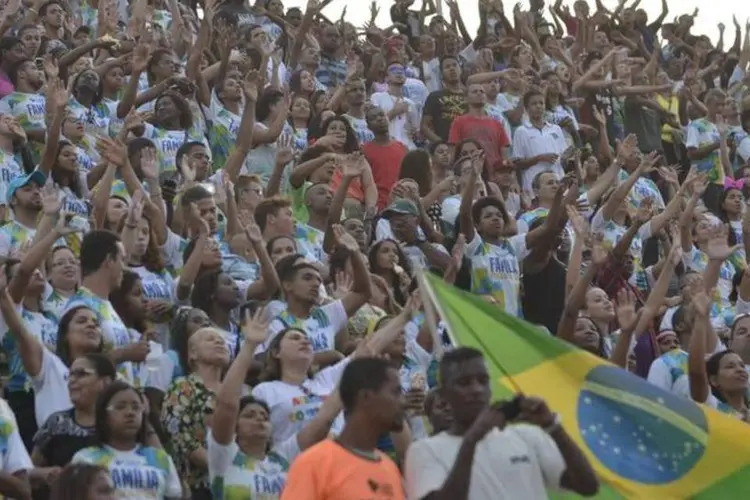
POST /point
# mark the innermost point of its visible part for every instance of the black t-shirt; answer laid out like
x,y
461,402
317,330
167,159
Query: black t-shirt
x,y
444,106
238,12
544,295
61,437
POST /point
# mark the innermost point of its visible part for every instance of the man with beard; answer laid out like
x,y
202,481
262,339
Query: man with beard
x,y
480,458
25,200
351,466
332,69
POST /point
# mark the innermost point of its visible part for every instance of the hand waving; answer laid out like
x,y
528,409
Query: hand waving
x,y
344,239
255,327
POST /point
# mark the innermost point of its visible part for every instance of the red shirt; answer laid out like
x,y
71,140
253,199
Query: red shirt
x,y
385,162
486,131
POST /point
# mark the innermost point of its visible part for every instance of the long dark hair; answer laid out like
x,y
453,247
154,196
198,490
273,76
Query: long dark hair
x,y
72,179
352,144
63,347
119,300
271,363
403,262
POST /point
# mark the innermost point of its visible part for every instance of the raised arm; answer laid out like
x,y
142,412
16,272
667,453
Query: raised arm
x,y
697,374
361,290
246,131
266,286
57,101
29,348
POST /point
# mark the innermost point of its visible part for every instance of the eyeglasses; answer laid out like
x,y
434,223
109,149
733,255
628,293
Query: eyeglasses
x,y
122,407
81,373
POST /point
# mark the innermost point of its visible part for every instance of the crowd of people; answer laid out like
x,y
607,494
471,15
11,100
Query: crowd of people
x,y
215,213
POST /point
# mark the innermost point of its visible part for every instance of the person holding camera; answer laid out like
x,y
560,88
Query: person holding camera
x,y
480,457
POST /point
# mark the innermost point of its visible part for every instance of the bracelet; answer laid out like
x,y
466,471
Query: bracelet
x,y
555,425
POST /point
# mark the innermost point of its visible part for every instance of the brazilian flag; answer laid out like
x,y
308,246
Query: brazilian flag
x,y
643,442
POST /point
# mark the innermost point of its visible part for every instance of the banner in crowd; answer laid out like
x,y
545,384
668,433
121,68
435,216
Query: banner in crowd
x,y
643,442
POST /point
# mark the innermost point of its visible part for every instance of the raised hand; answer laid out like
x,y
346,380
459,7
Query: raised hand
x,y
675,252
354,165
625,311
64,226
648,162
135,211
57,95
344,239
580,227
141,55
51,202
599,254
628,147
702,302
645,211
285,152
250,85
255,327
203,228
149,163
718,247
187,170
51,69
344,283
669,174
111,150
459,250
253,233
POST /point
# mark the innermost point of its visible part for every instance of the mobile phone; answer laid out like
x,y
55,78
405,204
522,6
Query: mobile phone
x,y
511,409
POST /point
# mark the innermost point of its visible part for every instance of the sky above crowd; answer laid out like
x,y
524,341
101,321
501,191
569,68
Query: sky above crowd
x,y
709,16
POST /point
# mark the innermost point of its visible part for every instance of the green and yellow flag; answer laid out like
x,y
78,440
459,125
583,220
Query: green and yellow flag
x,y
643,442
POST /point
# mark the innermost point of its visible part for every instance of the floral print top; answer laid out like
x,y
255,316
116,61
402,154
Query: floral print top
x,y
188,406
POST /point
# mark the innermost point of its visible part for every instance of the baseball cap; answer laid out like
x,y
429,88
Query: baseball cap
x,y
402,206
19,182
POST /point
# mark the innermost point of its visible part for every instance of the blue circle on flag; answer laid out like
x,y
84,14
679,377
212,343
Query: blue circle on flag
x,y
637,430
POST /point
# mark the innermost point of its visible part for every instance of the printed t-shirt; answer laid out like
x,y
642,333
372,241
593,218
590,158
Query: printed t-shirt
x,y
328,471
293,406
139,474
496,270
236,475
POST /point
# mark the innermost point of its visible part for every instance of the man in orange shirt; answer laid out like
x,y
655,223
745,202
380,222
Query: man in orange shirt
x,y
351,467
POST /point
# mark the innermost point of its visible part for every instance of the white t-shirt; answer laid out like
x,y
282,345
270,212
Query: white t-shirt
x,y
496,270
398,124
292,406
245,477
13,455
139,474
50,387
529,141
519,463
321,327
